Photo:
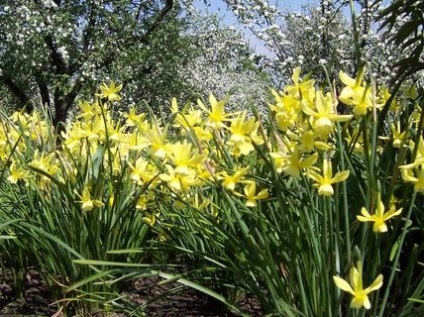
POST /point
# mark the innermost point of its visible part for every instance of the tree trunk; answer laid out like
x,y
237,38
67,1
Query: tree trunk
x,y
62,104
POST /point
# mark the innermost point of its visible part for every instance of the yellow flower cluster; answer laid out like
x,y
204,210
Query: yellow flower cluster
x,y
302,145
414,172
144,152
307,117
203,145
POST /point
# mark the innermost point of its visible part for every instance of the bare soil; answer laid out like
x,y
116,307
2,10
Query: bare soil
x,y
37,300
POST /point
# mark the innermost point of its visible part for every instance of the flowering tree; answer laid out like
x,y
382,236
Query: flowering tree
x,y
316,35
321,34
52,49
324,37
223,63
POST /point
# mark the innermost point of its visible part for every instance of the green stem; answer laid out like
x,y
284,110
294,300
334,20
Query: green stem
x,y
331,254
345,203
331,235
396,260
324,229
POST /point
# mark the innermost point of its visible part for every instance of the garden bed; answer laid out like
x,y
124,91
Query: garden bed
x,y
37,300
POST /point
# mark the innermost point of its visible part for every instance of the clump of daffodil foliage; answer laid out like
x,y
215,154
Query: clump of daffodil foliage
x,y
276,206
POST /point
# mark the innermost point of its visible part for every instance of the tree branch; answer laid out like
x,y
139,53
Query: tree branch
x,y
140,39
160,17
89,30
55,56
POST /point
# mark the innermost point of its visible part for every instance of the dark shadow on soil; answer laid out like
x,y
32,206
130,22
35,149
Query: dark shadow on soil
x,y
187,302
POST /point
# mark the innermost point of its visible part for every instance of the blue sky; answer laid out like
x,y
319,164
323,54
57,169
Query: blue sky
x,y
228,18
290,5
219,7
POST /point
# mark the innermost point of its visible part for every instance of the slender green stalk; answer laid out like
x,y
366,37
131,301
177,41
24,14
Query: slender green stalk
x,y
346,231
395,263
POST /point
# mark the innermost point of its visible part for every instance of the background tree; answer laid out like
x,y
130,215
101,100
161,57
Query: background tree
x,y
403,25
223,64
55,51
52,49
322,32
318,35
315,35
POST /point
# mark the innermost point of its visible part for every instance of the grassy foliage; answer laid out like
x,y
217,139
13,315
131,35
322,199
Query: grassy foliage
x,y
314,212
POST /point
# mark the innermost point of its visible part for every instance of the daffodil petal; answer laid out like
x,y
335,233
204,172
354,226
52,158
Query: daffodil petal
x,y
365,212
364,219
339,117
392,213
343,285
315,176
408,166
309,161
376,284
340,177
263,194
346,79
366,303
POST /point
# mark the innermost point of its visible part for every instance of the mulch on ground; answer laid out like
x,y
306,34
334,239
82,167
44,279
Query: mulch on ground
x,y
188,302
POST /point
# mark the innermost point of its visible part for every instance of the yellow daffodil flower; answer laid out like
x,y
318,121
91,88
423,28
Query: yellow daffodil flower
x,y
251,195
46,163
356,289
417,178
135,142
87,203
110,92
356,94
178,181
307,141
414,172
241,133
230,181
325,115
419,159
203,134
142,171
149,218
287,110
185,160
295,163
279,159
17,172
134,119
187,119
157,141
144,199
217,115
398,136
88,111
302,90
325,181
289,103
379,217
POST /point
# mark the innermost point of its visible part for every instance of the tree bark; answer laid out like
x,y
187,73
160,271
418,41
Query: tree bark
x,y
62,105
